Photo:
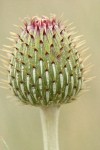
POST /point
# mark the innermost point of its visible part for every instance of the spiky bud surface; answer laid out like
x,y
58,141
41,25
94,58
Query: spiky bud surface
x,y
46,67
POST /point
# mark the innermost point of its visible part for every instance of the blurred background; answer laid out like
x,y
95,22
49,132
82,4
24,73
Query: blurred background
x,y
79,123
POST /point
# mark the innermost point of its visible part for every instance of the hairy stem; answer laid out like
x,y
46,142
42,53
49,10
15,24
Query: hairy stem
x,y
49,119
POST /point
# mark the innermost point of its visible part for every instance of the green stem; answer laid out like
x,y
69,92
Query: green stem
x,y
49,119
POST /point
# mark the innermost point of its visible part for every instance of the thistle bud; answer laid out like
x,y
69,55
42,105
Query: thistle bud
x,y
46,67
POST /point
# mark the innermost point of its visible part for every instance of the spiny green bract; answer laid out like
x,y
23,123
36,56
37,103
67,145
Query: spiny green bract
x,y
45,67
